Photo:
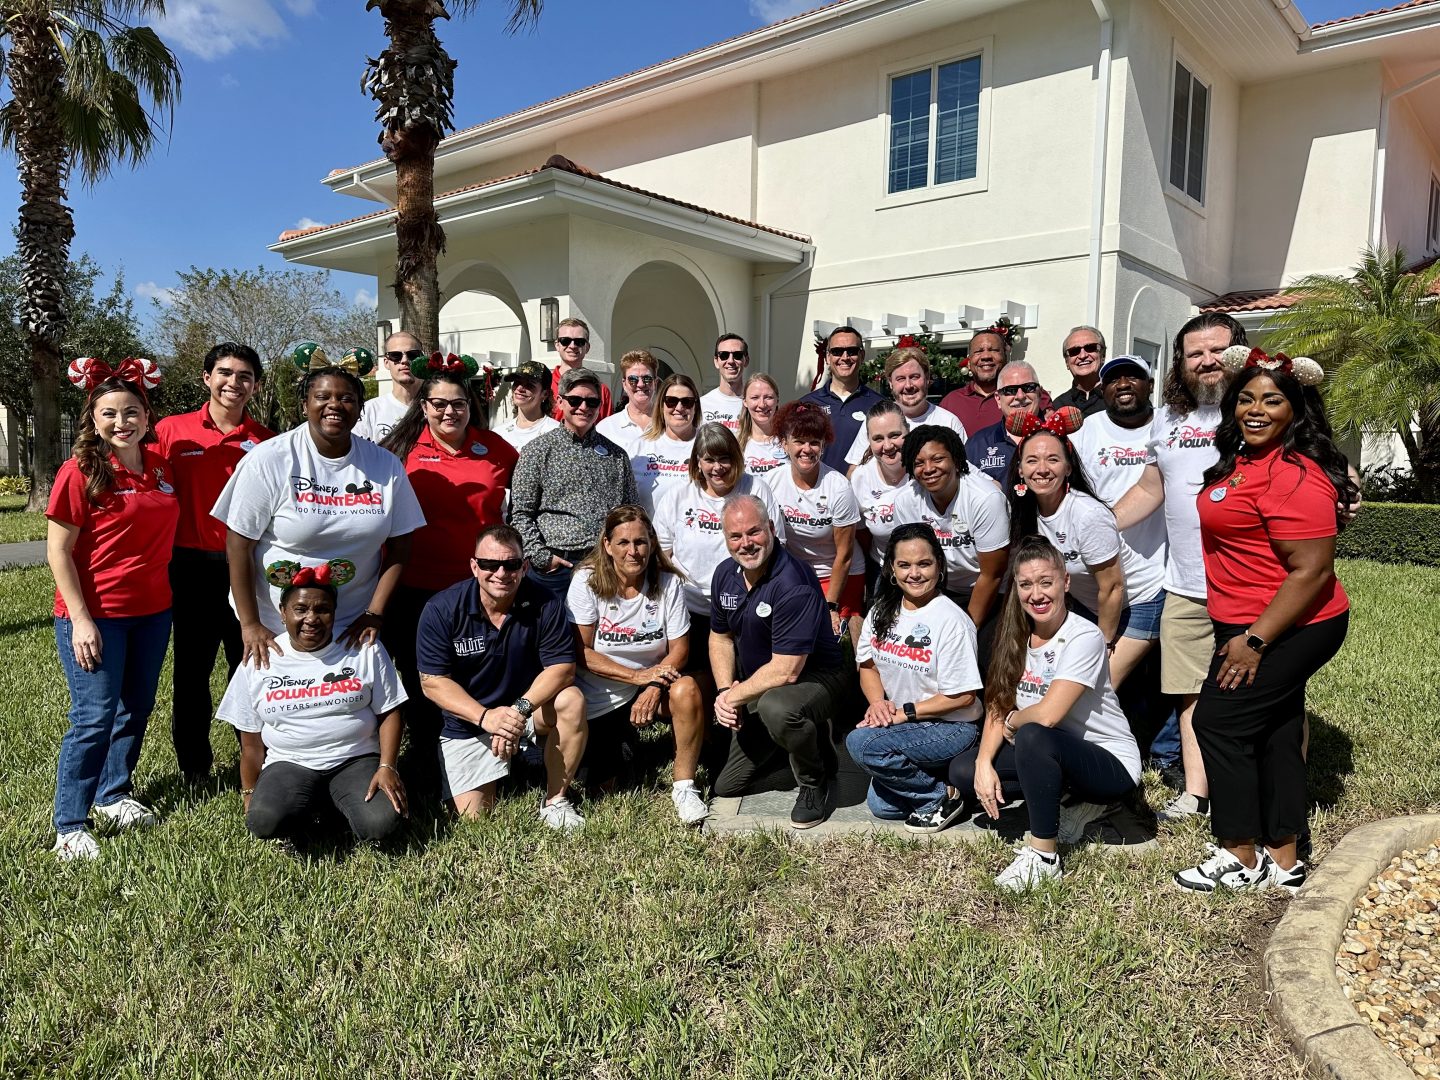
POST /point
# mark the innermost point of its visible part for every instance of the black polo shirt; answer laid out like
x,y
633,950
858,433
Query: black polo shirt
x,y
847,417
784,613
1088,403
494,666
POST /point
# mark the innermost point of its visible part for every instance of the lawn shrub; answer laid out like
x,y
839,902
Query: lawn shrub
x,y
1394,533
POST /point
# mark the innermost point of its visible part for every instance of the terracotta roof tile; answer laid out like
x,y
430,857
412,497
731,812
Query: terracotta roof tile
x,y
1276,299
1377,11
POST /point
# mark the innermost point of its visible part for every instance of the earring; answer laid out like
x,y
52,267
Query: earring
x,y
1020,490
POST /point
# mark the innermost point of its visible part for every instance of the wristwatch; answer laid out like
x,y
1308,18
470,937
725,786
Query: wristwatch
x,y
523,707
832,605
909,708
1256,642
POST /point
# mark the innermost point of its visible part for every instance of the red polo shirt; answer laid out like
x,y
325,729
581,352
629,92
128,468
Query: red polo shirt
x,y
977,410
605,406
202,458
460,494
123,550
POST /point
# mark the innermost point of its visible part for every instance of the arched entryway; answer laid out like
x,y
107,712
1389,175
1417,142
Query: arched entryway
x,y
663,307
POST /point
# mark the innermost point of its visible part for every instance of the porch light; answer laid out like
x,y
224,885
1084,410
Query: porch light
x,y
549,317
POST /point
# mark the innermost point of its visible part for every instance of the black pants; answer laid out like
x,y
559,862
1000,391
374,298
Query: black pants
x,y
1251,738
422,719
287,798
203,623
1041,765
613,741
794,720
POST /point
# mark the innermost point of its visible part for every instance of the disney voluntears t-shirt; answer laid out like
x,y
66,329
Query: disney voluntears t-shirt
x,y
764,456
315,709
1077,654
978,520
933,414
1084,531
718,407
659,464
380,416
1183,447
1113,458
305,509
519,437
929,650
687,522
877,505
634,633
811,518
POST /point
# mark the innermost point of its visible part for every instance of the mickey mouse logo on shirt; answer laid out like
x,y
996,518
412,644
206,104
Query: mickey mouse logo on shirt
x,y
763,610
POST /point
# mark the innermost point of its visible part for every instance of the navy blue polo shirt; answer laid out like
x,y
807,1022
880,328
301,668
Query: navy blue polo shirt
x,y
990,451
784,613
456,639
847,417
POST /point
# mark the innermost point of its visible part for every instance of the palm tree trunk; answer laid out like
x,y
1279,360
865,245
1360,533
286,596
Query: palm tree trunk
x,y
46,229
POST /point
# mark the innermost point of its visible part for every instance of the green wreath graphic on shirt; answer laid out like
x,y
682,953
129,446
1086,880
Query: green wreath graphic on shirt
x,y
281,572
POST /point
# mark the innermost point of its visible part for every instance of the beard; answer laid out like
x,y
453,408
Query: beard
x,y
1206,394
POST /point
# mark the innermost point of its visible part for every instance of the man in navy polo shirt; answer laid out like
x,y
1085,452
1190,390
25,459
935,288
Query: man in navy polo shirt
x,y
778,667
844,397
496,654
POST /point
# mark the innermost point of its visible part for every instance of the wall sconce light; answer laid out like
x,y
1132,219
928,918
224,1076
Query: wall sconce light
x,y
383,330
549,317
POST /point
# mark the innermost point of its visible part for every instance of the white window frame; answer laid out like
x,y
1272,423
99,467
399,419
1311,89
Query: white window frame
x,y
1205,79
981,47
1432,216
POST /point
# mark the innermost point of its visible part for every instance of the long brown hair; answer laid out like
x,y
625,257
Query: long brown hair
x,y
91,454
747,428
657,409
1012,638
604,581
406,432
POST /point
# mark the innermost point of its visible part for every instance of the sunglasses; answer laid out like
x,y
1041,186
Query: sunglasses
x,y
845,350
578,342
1088,347
679,402
442,404
640,380
408,354
581,401
491,566
725,355
1022,388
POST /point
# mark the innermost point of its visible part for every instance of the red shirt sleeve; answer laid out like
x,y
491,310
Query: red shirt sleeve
x,y
68,502
1299,504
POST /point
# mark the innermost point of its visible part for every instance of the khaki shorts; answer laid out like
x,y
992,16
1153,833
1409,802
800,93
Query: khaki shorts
x,y
1187,644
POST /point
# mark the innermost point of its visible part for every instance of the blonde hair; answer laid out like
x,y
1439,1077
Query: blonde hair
x,y
900,357
747,428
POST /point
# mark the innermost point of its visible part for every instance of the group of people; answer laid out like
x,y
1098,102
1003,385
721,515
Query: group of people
x,y
412,603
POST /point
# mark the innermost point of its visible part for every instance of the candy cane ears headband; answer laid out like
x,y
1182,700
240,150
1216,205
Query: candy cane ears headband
x,y
88,372
308,356
1304,370
1064,421
438,363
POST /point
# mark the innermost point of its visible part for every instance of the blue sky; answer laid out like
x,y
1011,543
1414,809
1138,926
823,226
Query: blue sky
x,y
272,102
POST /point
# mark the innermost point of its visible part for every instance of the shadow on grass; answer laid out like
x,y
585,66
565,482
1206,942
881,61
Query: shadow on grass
x,y
1330,761
23,625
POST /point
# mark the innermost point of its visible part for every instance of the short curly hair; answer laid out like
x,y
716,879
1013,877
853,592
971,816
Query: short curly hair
x,y
933,433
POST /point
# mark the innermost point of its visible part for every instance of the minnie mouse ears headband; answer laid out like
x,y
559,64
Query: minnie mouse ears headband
x,y
313,575
1304,370
88,372
438,363
1063,422
308,356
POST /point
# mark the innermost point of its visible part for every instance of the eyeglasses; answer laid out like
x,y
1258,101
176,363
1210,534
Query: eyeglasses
x,y
1022,388
408,354
679,402
581,401
640,380
578,342
845,350
444,404
491,566
722,354
1088,347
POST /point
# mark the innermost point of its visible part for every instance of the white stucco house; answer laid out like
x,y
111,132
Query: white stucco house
x,y
909,164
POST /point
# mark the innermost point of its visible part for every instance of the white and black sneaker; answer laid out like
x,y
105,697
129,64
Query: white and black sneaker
x,y
942,815
1221,870
1290,880
1076,817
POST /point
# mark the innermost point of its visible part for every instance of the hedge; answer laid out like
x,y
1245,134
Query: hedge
x,y
1394,533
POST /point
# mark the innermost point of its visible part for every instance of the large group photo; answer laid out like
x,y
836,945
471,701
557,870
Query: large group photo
x,y
613,642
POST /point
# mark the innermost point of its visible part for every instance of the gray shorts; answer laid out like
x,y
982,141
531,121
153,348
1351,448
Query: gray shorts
x,y
468,765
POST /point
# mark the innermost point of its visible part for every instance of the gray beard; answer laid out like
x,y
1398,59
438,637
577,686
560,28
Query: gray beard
x,y
1206,395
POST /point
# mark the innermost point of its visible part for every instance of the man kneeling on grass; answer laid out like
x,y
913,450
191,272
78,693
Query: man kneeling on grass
x,y
497,655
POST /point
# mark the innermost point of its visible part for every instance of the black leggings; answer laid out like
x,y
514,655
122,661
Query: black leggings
x,y
1039,767
1251,737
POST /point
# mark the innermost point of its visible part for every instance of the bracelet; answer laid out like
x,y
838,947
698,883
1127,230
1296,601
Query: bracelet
x,y
247,791
484,712
387,765
657,684
374,614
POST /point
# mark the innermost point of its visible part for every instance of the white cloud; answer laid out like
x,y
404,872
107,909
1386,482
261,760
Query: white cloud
x,y
149,290
309,223
211,29
775,10
365,298
229,82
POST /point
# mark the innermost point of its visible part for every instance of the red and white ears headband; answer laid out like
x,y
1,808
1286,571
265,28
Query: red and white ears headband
x,y
1064,421
88,372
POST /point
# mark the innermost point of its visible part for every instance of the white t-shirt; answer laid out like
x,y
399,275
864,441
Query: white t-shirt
x,y
977,521
620,429
764,456
1084,531
933,414
1077,654
381,414
1113,458
635,633
659,465
518,437
315,709
812,516
718,407
305,509
687,521
1183,447
877,505
929,651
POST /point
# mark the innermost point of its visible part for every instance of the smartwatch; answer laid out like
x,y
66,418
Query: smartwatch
x,y
832,605
909,708
1256,642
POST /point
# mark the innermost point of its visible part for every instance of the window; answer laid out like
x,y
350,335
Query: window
x,y
1188,124
1432,223
935,125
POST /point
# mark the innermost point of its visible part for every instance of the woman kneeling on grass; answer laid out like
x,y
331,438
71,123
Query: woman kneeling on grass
x,y
1052,722
320,724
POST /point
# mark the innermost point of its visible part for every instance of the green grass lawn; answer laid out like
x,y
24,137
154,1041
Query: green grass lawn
x,y
17,525
640,949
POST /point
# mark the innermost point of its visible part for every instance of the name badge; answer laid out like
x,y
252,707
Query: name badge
x,y
248,445
1218,495
601,451
763,610
479,448
858,414
164,488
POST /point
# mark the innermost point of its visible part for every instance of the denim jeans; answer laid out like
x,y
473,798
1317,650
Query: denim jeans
x,y
109,708
902,761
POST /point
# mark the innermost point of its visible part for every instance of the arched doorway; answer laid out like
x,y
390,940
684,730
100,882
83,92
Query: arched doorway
x,y
663,308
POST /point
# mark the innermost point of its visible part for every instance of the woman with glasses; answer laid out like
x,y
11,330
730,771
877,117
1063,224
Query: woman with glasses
x,y
660,457
460,475
533,401
638,374
758,442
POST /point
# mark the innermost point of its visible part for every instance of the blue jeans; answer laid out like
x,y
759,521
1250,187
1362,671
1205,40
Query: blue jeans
x,y
109,708
902,760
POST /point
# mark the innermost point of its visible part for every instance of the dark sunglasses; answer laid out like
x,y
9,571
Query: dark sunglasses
x,y
722,354
408,354
1024,387
679,402
640,380
490,566
581,401
440,404
578,342
845,350
1088,347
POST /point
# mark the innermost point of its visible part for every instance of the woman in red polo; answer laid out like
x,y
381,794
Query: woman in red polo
x,y
1268,521
113,514
460,474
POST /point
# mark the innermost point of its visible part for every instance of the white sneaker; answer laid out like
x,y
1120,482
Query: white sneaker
x,y
1222,870
1184,806
689,804
76,844
128,813
562,815
1289,880
1029,869
1075,817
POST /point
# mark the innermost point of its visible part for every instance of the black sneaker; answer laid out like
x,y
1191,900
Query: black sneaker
x,y
942,816
1173,777
812,806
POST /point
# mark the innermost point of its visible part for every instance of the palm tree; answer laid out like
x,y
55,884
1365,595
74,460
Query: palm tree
x,y
1377,333
413,83
82,83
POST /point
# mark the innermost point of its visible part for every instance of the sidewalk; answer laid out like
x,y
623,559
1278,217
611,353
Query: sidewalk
x,y
31,553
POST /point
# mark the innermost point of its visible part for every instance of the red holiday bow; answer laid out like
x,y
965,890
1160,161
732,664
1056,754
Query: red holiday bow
x,y
907,341
1063,422
312,575
1001,330
445,362
88,372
